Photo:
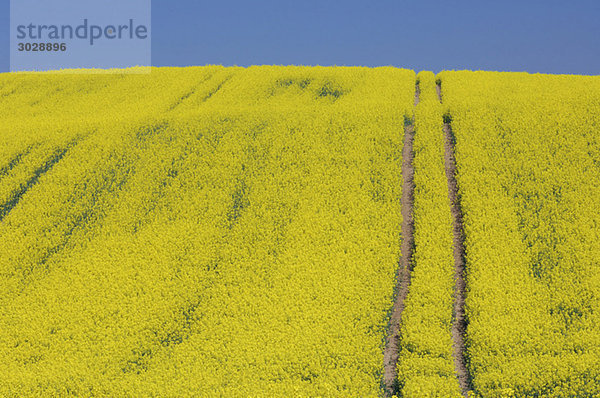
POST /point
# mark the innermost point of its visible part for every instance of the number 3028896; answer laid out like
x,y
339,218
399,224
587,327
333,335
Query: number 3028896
x,y
42,47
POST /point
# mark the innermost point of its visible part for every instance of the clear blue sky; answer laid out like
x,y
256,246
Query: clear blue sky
x,y
547,36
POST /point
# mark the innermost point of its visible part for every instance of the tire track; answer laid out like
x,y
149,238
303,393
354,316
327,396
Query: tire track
x,y
58,154
189,93
91,211
216,90
459,323
392,347
14,161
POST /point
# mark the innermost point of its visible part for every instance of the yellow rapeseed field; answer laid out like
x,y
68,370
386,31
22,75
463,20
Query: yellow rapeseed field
x,y
236,232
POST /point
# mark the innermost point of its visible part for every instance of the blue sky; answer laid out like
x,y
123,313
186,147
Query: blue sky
x,y
536,36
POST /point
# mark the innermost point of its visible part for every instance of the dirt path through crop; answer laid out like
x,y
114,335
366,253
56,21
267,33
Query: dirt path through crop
x,y
459,323
392,348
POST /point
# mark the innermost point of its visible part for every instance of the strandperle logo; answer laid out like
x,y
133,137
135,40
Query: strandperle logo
x,y
84,31
81,36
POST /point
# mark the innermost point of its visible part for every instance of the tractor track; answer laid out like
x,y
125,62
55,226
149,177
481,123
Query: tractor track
x,y
392,347
459,322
